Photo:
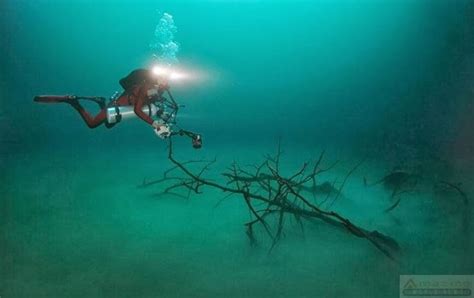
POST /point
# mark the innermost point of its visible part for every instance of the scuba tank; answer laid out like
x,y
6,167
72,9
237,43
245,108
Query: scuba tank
x,y
116,114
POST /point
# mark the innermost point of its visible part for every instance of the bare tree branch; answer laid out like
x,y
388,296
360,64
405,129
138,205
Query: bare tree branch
x,y
281,196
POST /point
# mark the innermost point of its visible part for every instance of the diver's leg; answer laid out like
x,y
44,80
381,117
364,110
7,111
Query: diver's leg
x,y
92,122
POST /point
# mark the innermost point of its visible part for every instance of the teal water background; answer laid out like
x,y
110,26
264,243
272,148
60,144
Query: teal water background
x,y
390,81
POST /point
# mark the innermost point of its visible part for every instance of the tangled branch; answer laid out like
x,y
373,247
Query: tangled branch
x,y
281,196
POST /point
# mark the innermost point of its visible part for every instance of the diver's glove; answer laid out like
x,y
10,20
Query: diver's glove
x,y
161,130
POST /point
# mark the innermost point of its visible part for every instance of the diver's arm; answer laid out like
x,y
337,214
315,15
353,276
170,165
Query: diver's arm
x,y
161,130
139,112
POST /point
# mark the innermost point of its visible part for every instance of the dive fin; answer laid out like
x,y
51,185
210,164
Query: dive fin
x,y
54,98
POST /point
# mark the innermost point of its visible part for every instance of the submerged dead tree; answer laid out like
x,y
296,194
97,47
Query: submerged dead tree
x,y
272,197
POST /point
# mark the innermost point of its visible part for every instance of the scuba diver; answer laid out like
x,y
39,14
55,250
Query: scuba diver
x,y
143,96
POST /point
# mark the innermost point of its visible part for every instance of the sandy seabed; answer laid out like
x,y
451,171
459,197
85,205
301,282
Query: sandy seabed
x,y
75,224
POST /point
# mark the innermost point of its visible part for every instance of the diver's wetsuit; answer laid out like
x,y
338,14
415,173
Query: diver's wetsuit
x,y
136,86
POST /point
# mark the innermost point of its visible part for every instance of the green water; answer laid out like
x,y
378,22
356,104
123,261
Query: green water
x,y
387,82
